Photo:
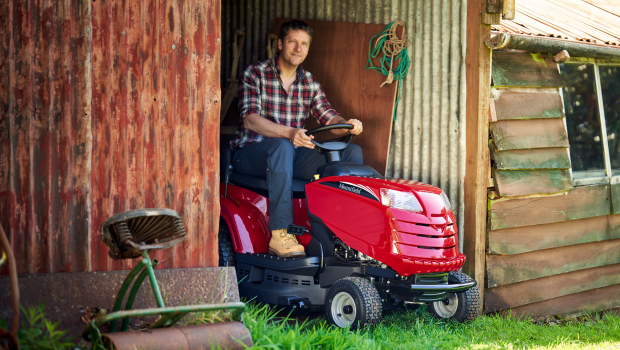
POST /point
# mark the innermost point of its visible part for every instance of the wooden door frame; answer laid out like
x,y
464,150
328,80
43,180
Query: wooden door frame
x,y
478,74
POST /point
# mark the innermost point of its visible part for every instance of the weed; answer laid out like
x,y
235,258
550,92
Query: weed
x,y
38,332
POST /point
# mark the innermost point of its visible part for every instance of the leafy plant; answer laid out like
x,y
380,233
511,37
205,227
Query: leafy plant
x,y
38,332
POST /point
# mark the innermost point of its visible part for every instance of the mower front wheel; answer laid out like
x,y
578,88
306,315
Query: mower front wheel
x,y
462,306
353,302
225,245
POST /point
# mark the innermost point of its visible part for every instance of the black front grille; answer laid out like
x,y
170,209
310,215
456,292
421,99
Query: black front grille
x,y
432,278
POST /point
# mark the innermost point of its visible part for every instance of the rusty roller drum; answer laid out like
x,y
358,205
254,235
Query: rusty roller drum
x,y
224,335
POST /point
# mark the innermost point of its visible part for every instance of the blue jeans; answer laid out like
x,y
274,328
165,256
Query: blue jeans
x,y
280,162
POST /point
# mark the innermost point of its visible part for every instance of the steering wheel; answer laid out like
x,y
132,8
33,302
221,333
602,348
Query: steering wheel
x,y
331,146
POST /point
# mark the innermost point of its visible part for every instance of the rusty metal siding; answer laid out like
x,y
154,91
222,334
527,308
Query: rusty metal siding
x,y
428,139
100,115
591,21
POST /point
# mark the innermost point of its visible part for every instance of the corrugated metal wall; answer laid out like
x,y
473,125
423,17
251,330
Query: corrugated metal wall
x,y
107,106
428,140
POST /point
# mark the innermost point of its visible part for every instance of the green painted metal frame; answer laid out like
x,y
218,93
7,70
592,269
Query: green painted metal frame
x,y
169,315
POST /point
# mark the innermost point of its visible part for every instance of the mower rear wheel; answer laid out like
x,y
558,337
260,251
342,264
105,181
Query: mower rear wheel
x,y
353,302
225,246
462,306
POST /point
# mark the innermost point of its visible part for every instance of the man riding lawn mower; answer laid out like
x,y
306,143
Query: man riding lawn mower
x,y
308,229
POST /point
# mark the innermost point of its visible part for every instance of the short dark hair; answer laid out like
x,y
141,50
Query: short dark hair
x,y
294,24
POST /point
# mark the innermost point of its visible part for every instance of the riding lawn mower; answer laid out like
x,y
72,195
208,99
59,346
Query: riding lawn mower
x,y
372,243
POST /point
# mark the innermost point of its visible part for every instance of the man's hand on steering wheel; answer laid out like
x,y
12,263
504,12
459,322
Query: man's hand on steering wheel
x,y
357,126
299,138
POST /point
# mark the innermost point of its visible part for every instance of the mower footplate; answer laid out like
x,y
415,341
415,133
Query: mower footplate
x,y
277,287
302,266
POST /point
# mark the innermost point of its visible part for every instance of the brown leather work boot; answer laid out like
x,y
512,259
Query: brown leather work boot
x,y
285,245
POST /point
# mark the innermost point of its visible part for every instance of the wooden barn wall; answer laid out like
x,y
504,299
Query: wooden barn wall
x,y
551,248
107,106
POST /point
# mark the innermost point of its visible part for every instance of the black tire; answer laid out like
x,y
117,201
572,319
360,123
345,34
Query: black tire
x,y
226,250
354,302
462,306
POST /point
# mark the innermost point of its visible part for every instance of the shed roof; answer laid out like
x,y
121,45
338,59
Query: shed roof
x,y
594,21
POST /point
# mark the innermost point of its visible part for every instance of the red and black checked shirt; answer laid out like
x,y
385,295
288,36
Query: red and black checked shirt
x,y
261,91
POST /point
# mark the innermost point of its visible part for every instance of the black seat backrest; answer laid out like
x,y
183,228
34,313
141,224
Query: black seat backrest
x,y
226,155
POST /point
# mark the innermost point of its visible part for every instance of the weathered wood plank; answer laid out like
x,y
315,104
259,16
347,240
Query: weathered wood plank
x,y
615,199
524,69
506,269
526,134
579,203
593,300
527,105
525,182
528,292
530,238
540,158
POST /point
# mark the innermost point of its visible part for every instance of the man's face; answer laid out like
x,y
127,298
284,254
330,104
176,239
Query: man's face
x,y
295,47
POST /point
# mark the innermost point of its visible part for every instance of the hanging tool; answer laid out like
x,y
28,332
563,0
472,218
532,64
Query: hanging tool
x,y
393,48
231,90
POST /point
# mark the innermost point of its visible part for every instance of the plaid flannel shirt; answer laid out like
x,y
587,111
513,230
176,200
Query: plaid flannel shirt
x,y
261,92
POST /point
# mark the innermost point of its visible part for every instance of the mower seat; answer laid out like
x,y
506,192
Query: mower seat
x,y
250,182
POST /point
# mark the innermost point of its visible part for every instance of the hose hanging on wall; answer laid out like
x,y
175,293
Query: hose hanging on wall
x,y
393,48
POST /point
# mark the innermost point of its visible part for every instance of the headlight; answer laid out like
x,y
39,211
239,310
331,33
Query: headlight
x,y
400,200
445,200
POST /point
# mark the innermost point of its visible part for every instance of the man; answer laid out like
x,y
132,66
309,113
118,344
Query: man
x,y
275,99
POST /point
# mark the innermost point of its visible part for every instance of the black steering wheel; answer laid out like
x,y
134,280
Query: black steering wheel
x,y
331,146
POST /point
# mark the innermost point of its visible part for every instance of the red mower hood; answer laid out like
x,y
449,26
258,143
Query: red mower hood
x,y
380,218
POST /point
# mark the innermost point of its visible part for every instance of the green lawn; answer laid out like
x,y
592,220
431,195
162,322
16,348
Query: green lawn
x,y
418,330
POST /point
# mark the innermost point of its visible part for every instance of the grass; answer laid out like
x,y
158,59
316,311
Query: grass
x,y
418,330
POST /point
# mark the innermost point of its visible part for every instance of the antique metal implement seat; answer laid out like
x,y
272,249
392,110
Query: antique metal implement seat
x,y
132,234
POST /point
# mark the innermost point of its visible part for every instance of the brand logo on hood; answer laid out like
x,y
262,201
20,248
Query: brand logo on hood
x,y
350,188
353,188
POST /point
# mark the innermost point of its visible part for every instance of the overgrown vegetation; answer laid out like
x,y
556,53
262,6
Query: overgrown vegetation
x,y
418,330
37,332
399,330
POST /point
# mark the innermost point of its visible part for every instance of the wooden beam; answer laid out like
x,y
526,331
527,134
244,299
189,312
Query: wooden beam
x,y
231,90
478,63
528,292
593,300
541,158
527,182
507,269
508,9
494,6
526,134
579,203
560,234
